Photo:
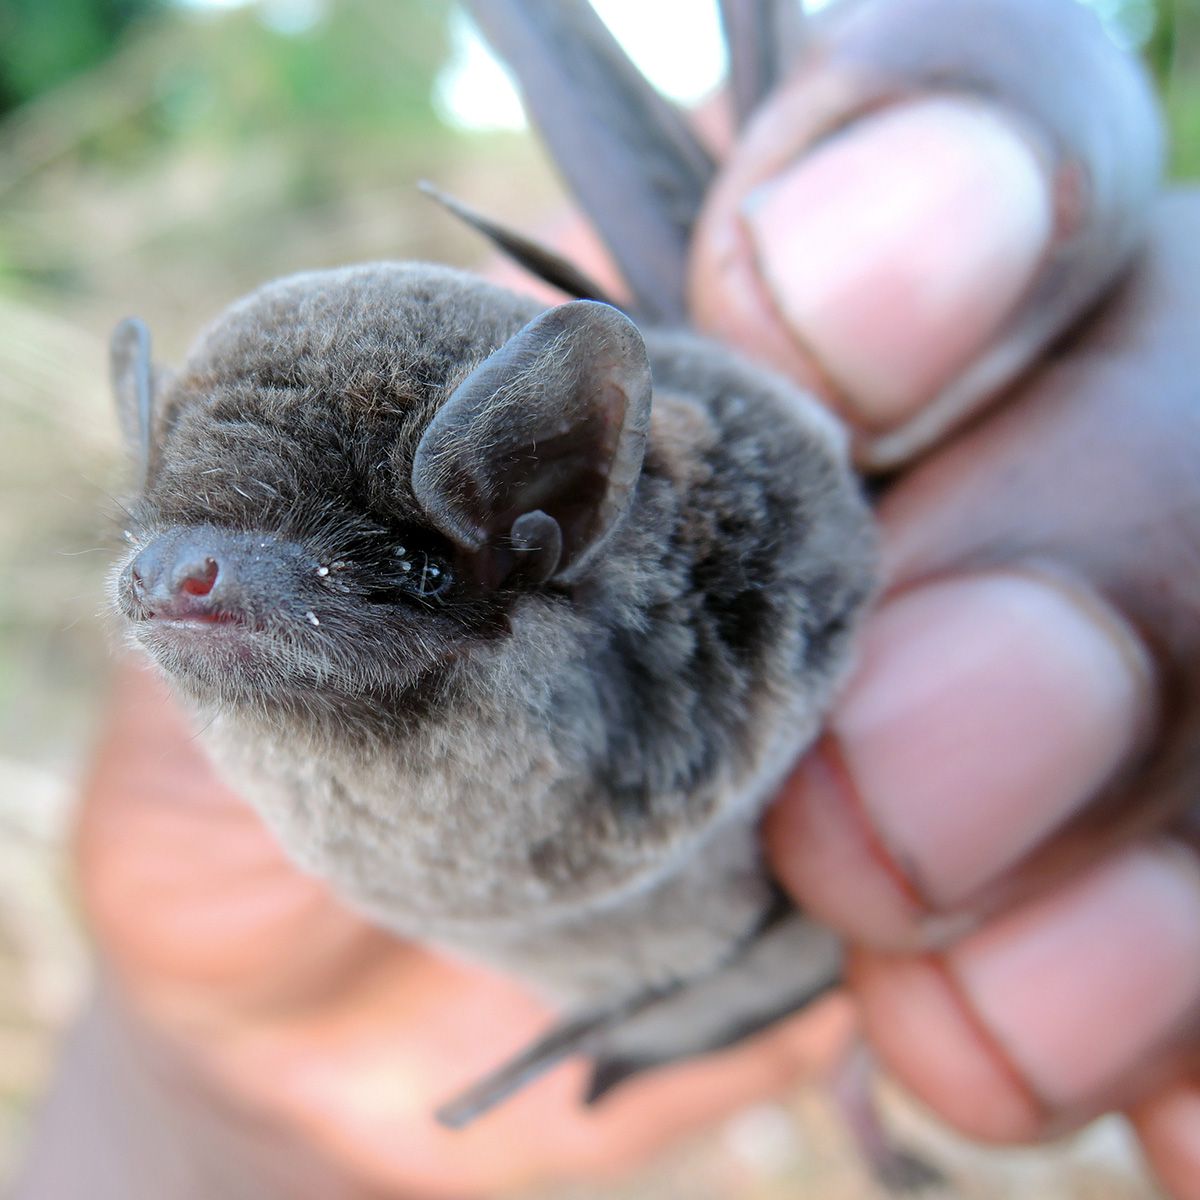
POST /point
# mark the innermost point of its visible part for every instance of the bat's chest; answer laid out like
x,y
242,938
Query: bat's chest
x,y
467,826
506,851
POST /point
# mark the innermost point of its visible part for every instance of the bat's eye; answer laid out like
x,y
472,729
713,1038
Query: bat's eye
x,y
422,574
432,579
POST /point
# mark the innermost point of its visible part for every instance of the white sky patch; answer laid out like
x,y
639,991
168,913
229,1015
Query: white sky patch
x,y
1130,22
473,90
291,16
675,43
284,16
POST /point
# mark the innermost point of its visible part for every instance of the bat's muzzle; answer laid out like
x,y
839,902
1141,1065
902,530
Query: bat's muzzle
x,y
206,574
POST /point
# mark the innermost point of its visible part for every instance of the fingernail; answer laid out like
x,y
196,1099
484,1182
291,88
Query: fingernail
x,y
1078,987
896,249
984,712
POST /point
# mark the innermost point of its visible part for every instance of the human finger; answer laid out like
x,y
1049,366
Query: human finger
x,y
1078,1001
941,189
1168,1124
1028,690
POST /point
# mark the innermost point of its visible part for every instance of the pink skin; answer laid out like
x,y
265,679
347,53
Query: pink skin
x,y
988,708
836,249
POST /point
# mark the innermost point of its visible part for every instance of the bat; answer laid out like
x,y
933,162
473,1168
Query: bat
x,y
509,620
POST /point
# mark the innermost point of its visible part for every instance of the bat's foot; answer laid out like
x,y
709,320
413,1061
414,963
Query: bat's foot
x,y
901,1171
896,1168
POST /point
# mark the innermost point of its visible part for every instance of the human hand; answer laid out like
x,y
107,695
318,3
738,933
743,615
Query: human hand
x,y
298,1010
1000,816
302,1010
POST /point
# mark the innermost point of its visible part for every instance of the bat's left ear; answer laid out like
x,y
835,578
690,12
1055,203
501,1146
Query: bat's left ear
x,y
536,453
133,386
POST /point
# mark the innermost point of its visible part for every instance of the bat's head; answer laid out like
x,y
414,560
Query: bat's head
x,y
357,472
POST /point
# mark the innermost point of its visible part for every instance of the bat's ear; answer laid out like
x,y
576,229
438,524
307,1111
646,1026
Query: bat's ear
x,y
535,455
133,385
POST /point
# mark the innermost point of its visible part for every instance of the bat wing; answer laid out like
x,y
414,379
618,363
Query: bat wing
x,y
533,256
764,38
788,963
628,156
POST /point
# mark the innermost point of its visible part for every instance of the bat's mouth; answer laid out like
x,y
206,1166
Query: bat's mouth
x,y
196,643
184,614
197,625
223,657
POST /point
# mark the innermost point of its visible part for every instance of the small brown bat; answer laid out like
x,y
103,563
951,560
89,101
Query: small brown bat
x,y
510,621
504,640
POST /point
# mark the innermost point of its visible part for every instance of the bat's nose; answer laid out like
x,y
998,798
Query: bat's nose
x,y
195,574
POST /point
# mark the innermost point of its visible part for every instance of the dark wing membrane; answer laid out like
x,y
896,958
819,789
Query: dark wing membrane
x,y
787,963
533,256
764,39
627,154
577,1035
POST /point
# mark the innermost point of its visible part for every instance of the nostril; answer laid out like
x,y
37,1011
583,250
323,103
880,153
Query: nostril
x,y
198,580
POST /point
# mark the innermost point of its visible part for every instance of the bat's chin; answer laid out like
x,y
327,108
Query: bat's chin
x,y
217,652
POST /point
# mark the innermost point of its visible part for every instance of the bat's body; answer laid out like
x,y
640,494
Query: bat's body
x,y
511,621
554,766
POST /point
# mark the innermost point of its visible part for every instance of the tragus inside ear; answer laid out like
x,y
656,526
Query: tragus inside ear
x,y
533,459
133,386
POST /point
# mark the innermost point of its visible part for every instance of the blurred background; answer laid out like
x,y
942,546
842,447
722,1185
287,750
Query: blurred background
x,y
164,156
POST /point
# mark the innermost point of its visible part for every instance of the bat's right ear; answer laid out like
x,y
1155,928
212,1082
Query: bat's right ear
x,y
533,459
133,385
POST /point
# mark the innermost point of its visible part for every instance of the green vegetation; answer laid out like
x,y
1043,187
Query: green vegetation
x,y
218,129
1173,51
140,73
44,42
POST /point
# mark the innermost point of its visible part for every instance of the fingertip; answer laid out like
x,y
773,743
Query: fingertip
x,y
823,850
985,712
934,196
896,249
875,263
1090,985
926,1034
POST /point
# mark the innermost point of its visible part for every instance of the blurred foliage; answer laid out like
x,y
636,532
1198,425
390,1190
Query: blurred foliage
x,y
141,73
44,42
301,68
221,125
347,66
1173,51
